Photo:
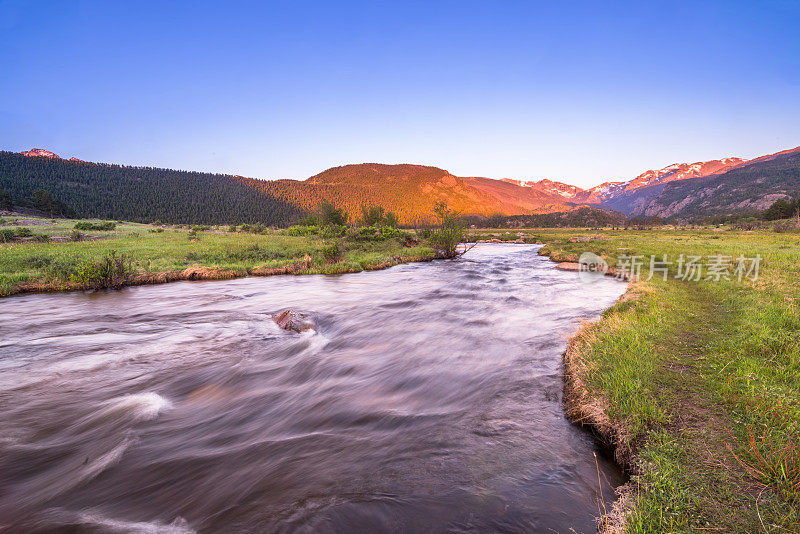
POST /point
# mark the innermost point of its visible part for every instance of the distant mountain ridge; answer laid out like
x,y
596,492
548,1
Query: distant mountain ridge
x,y
412,191
748,187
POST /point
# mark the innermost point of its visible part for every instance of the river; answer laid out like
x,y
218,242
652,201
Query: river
x,y
428,400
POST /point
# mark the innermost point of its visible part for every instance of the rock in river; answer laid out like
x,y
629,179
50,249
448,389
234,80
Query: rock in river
x,y
569,266
294,321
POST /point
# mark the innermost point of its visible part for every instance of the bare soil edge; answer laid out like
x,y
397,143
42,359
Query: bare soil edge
x,y
299,267
589,411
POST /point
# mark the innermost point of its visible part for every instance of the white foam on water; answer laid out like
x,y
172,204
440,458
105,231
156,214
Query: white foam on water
x,y
139,406
91,519
102,462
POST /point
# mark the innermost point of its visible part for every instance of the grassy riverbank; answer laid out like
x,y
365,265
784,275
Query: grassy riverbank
x,y
697,383
140,254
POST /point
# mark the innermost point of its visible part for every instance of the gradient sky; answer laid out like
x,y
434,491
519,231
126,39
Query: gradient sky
x,y
581,92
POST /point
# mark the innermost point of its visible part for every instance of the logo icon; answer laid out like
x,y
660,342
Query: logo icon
x,y
592,267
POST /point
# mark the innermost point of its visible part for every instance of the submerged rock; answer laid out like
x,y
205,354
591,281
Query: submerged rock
x,y
569,266
294,321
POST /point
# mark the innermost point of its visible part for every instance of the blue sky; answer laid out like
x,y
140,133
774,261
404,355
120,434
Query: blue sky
x,y
581,92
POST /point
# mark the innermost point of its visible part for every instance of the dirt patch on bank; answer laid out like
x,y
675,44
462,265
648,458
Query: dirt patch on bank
x,y
591,412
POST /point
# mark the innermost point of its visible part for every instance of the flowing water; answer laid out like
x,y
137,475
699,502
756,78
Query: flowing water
x,y
428,400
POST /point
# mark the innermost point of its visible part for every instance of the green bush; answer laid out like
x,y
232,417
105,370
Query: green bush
x,y
104,226
302,230
333,231
110,271
156,230
309,220
377,216
75,235
10,234
253,228
332,253
450,233
377,233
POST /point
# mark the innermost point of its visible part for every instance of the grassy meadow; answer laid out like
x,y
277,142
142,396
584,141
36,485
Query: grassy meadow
x,y
696,382
53,256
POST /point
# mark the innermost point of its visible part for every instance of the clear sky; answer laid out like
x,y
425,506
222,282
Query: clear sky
x,y
581,92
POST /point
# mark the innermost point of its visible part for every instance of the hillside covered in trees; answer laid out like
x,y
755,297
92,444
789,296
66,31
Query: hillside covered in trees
x,y
412,191
79,189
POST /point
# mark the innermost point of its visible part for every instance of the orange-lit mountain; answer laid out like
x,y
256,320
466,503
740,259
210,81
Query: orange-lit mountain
x,y
40,153
628,197
411,191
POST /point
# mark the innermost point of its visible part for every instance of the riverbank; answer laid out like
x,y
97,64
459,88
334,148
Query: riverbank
x,y
694,383
53,256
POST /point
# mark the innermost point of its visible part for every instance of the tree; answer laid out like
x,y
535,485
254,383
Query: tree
x,y
330,216
377,216
449,234
371,215
6,204
391,219
780,209
43,200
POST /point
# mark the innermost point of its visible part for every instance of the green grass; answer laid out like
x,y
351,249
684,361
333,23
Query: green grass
x,y
53,265
704,379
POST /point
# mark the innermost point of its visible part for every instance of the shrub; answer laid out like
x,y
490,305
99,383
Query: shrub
x,y
111,271
41,238
10,234
155,230
309,220
333,231
254,228
75,235
7,234
785,226
37,261
104,226
377,216
446,238
232,228
332,253
302,230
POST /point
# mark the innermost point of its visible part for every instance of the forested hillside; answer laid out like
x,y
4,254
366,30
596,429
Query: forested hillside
x,y
141,194
412,191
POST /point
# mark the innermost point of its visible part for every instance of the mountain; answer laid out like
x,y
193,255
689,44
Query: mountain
x,y
548,186
139,194
750,186
411,191
40,153
688,190
628,197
